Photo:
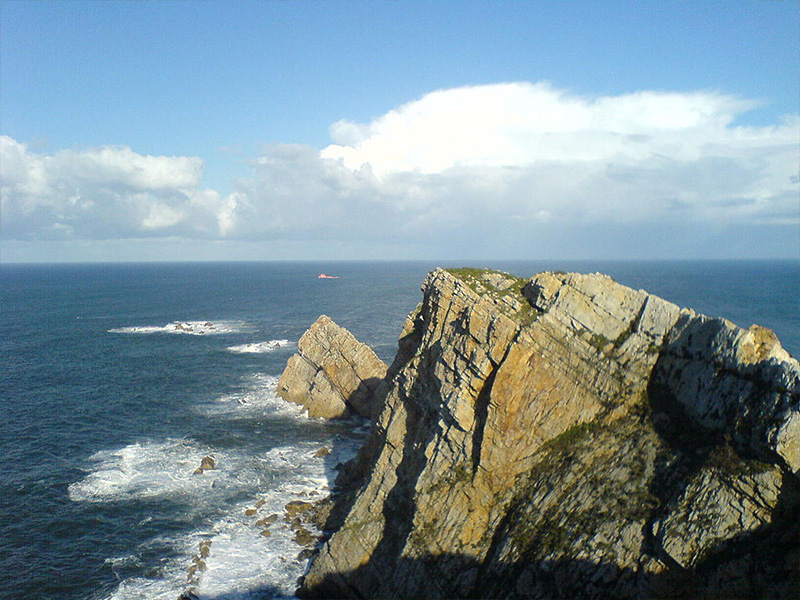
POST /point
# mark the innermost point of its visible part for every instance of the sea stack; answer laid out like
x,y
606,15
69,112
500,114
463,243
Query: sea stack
x,y
332,374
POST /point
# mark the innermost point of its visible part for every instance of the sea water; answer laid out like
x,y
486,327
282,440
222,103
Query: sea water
x,y
119,379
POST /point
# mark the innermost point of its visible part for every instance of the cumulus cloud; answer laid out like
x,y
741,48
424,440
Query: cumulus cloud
x,y
486,162
101,193
543,154
517,124
454,168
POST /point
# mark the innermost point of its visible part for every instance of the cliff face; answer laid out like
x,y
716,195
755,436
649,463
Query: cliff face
x,y
571,437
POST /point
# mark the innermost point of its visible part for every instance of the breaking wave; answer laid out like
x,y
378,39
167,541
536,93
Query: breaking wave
x,y
258,397
260,347
240,543
146,470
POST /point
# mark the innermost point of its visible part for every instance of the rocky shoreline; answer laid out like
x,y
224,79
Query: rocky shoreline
x,y
558,437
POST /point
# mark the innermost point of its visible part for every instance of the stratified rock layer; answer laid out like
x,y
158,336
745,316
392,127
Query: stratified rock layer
x,y
571,437
332,374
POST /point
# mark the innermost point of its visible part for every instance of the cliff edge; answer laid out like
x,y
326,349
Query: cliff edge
x,y
564,437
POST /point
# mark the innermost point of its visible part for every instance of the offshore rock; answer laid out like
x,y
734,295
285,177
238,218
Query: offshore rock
x,y
570,437
332,374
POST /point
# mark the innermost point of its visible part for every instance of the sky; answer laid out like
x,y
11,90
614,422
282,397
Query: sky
x,y
397,129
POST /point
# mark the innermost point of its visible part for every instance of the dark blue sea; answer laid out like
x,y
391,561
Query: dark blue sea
x,y
116,380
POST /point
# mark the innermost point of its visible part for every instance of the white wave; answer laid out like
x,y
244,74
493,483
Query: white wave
x,y
167,468
260,347
301,470
188,328
242,563
258,398
146,471
140,588
242,560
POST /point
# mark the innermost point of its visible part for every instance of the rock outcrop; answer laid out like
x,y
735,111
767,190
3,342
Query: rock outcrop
x,y
332,374
569,437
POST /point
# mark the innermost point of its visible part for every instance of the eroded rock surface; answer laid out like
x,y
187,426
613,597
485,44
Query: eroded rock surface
x,y
332,374
567,436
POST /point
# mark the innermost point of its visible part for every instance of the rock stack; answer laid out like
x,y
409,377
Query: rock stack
x,y
332,374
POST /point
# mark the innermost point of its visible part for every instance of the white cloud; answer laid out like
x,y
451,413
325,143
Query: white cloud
x,y
160,216
101,193
459,168
517,124
528,151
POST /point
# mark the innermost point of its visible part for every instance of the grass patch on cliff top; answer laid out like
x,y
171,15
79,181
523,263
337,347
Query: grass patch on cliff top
x,y
470,273
499,286
481,281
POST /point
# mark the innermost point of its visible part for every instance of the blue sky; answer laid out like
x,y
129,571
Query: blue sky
x,y
397,129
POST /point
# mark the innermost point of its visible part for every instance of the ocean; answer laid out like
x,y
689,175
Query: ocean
x,y
116,380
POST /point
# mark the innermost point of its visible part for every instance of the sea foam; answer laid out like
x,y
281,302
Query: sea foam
x,y
225,552
257,398
240,562
144,470
260,347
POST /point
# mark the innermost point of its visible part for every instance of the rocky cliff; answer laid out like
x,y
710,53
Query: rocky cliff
x,y
569,437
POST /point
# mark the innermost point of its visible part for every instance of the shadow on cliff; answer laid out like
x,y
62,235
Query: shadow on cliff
x,y
353,474
753,575
420,428
693,448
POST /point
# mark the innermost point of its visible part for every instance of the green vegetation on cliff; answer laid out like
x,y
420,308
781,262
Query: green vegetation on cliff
x,y
503,288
